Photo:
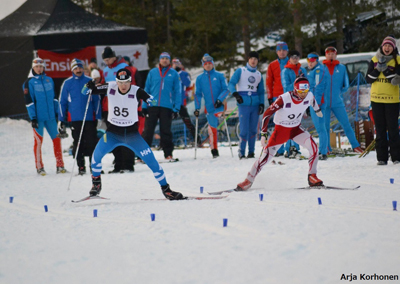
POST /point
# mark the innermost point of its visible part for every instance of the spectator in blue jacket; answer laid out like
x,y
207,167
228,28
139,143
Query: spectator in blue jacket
x,y
211,85
72,109
291,71
185,82
337,84
247,86
42,106
317,79
164,85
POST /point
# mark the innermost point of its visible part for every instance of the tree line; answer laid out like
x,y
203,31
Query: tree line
x,y
189,28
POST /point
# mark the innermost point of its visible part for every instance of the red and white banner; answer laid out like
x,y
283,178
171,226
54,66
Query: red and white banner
x,y
58,65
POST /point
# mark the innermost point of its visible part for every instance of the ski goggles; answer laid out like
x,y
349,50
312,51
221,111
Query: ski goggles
x,y
304,91
312,59
295,56
281,46
37,62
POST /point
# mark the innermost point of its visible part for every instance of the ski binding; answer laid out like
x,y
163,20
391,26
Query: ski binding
x,y
90,198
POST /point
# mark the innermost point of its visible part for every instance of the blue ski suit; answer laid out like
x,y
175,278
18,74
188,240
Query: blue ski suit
x,y
318,80
337,83
250,86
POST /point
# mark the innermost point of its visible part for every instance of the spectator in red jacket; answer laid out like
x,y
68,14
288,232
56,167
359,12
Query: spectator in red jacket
x,y
273,81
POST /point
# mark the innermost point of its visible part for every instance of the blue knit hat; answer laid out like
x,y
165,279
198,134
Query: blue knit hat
x,y
75,63
207,58
165,55
281,45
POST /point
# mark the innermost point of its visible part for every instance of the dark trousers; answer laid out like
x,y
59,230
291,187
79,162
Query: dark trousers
x,y
386,119
88,140
164,115
183,113
124,158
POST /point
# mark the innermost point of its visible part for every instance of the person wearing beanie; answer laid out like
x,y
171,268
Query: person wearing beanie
x,y
317,79
183,112
273,78
247,86
290,72
42,106
73,106
337,83
124,157
164,85
287,126
212,87
384,76
123,101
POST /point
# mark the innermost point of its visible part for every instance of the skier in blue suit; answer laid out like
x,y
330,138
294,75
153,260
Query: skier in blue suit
x,y
247,86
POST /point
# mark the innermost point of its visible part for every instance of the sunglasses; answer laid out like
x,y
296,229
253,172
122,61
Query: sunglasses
x,y
294,57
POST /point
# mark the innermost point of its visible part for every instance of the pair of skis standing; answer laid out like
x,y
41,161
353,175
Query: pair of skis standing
x,y
123,100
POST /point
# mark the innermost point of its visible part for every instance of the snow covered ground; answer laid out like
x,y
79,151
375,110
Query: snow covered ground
x,y
286,238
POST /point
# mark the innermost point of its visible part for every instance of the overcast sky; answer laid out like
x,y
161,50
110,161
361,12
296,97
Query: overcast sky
x,y
9,6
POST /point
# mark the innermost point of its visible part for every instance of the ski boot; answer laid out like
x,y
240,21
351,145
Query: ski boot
x,y
214,153
171,195
323,157
245,185
293,153
358,150
61,170
250,155
96,187
313,180
82,171
241,156
41,171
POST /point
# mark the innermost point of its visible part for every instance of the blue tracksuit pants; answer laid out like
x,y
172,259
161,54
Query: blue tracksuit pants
x,y
248,119
320,126
341,115
133,141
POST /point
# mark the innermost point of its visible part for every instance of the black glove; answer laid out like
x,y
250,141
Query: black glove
x,y
270,101
145,112
34,123
238,97
174,115
196,113
217,104
91,84
308,112
260,109
140,113
62,129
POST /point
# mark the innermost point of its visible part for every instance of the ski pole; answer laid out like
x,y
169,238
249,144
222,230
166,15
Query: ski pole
x,y
195,138
80,137
229,138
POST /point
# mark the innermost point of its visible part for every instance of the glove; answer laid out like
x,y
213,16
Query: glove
x,y
308,112
238,97
319,113
145,112
264,139
217,104
140,113
34,123
62,129
270,101
174,115
91,84
260,109
396,80
381,66
196,113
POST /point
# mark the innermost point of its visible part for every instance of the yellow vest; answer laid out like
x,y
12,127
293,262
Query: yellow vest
x,y
382,91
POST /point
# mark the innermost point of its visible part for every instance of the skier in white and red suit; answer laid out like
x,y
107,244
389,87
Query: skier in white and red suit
x,y
289,109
